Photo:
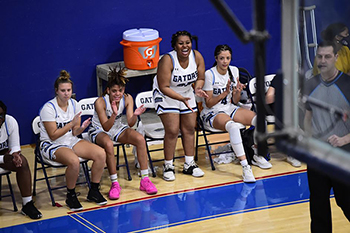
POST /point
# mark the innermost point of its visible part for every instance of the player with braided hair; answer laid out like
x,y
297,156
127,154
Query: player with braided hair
x,y
107,127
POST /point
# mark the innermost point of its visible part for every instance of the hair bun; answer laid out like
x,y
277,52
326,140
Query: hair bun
x,y
65,74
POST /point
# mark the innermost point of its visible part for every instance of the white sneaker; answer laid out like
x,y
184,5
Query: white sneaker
x,y
248,174
168,172
294,162
261,162
193,169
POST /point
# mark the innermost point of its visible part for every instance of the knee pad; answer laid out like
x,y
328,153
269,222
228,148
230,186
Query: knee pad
x,y
235,135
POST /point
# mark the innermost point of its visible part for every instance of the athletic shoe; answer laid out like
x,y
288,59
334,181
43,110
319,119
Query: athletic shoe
x,y
73,202
248,176
147,185
193,169
114,192
168,172
261,162
96,196
294,162
31,211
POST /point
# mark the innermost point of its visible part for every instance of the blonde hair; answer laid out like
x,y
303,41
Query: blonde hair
x,y
63,78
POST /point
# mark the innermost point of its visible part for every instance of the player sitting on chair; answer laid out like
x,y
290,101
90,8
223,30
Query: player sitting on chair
x,y
107,127
11,159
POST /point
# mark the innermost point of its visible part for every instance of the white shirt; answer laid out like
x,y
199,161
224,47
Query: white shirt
x,y
52,112
181,79
9,135
216,82
109,111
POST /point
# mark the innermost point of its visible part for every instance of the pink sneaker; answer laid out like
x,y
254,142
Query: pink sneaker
x,y
114,192
147,185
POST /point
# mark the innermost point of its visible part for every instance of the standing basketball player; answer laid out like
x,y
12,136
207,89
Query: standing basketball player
x,y
175,102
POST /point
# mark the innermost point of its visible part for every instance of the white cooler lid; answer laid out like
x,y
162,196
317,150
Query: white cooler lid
x,y
142,34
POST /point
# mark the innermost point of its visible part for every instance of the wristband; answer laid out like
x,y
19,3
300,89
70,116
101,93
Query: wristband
x,y
1,158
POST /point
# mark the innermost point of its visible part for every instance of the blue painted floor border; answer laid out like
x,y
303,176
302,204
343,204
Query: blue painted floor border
x,y
180,208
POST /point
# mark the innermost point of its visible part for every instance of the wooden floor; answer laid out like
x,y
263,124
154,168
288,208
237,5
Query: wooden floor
x,y
287,218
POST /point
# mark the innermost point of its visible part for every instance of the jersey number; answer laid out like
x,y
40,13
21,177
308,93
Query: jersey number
x,y
224,101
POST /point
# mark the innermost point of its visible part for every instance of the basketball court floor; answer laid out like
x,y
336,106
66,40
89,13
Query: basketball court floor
x,y
217,202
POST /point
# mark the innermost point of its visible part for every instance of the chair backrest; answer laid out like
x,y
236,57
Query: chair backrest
x,y
4,172
244,75
252,89
145,98
87,106
36,125
252,84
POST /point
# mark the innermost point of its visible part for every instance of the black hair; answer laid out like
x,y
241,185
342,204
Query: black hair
x,y
327,43
116,78
177,34
217,51
3,106
332,30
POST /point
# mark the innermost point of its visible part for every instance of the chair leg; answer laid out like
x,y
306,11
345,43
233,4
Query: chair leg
x,y
86,173
209,152
48,185
118,157
150,161
196,153
0,187
35,175
12,195
126,162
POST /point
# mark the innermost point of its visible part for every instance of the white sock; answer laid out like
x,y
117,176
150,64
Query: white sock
x,y
144,173
254,123
114,178
255,149
188,159
25,200
244,163
168,162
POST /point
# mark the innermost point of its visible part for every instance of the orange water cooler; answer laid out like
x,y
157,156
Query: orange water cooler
x,y
141,48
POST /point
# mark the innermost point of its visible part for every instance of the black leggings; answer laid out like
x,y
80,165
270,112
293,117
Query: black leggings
x,y
320,186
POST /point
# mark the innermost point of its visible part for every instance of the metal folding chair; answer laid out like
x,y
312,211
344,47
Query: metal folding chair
x,y
7,174
150,124
41,163
87,107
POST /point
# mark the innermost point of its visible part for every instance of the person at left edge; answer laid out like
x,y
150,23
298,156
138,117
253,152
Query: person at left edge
x,y
12,159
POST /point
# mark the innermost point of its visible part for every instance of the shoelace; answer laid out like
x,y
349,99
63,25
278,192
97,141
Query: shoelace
x,y
147,183
193,164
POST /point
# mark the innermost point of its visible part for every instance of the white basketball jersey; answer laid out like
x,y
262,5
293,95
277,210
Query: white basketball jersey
x,y
109,111
52,112
216,82
9,135
181,79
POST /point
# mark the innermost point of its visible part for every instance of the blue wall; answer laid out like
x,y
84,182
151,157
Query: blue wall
x,y
327,12
39,38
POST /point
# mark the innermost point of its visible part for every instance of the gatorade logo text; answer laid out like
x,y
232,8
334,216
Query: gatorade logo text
x,y
148,52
